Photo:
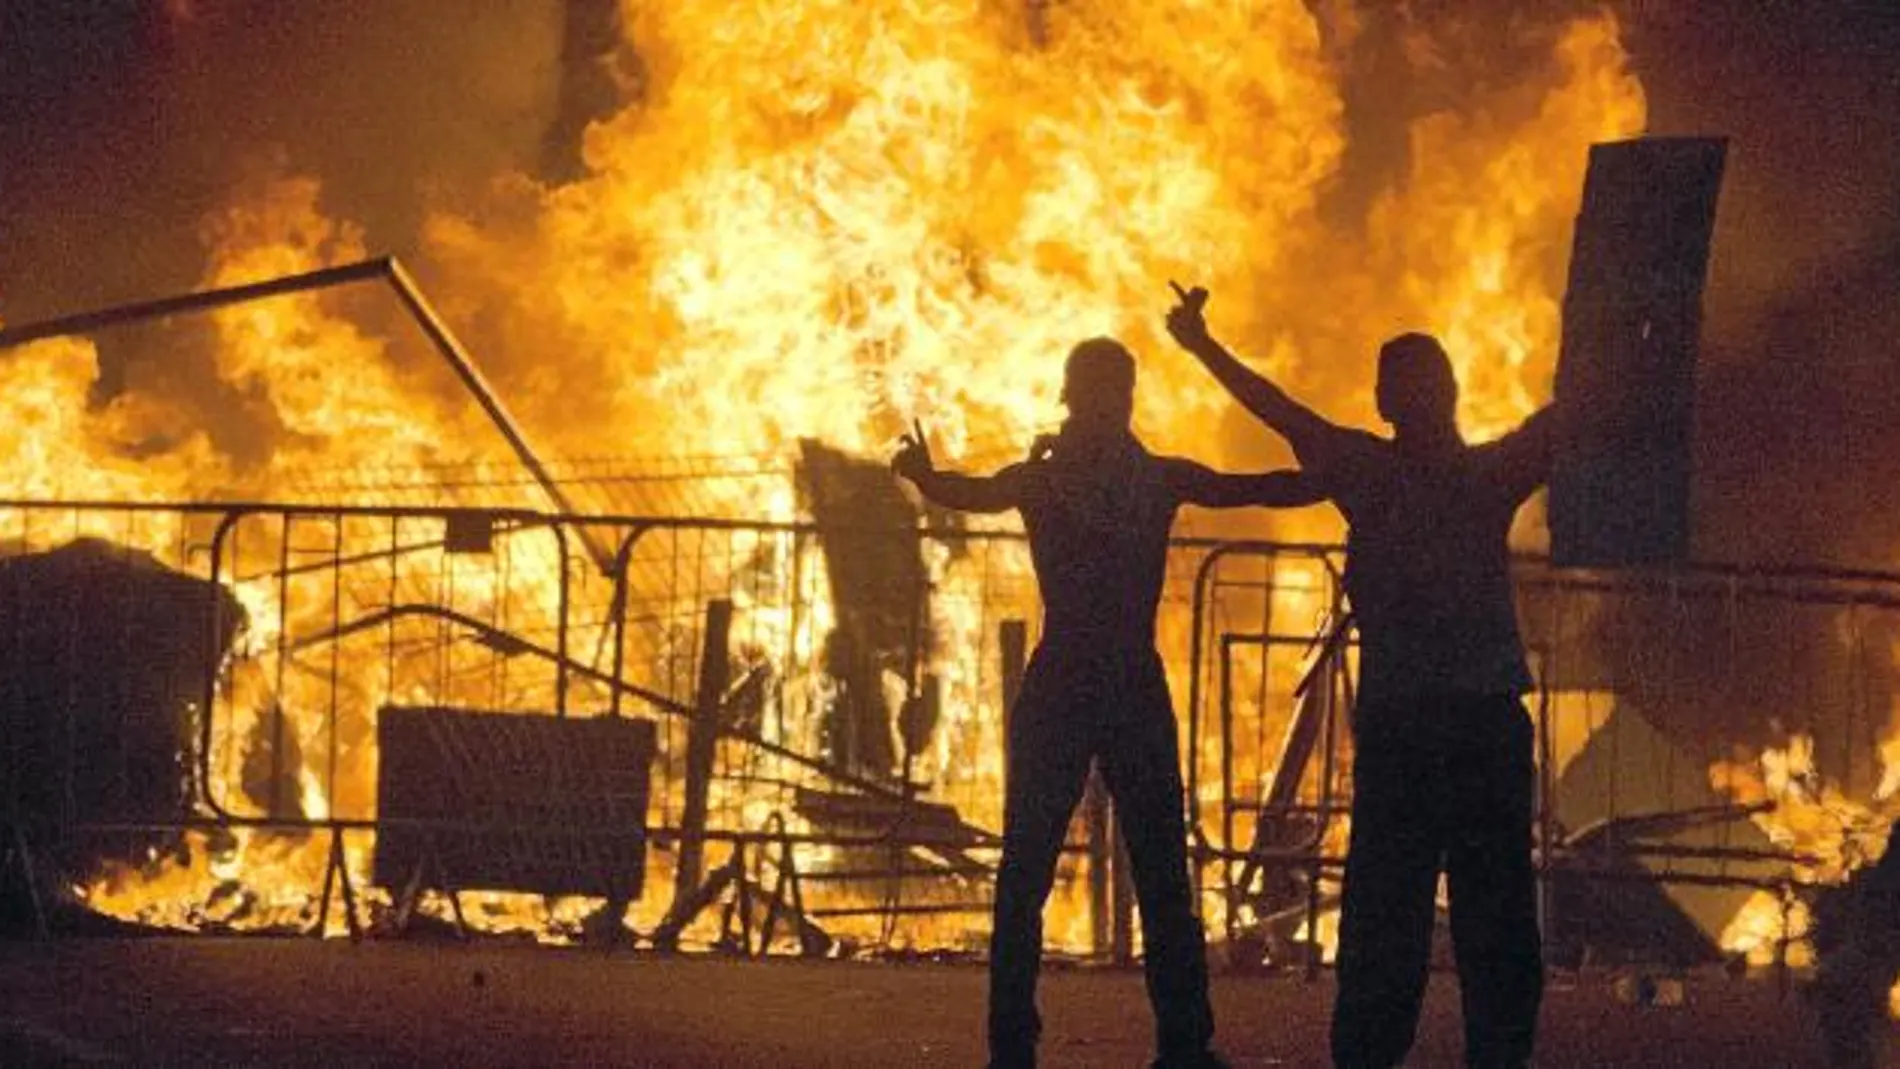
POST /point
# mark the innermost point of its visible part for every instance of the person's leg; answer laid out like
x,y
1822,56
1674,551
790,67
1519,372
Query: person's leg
x,y
1048,760
1141,765
1385,929
1493,888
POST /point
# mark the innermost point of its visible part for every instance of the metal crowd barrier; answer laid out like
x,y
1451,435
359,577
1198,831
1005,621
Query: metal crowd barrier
x,y
832,761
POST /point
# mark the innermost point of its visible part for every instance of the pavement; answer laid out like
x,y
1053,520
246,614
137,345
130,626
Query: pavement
x,y
208,1001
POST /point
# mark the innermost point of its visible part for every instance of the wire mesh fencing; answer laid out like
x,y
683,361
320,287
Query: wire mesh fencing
x,y
195,698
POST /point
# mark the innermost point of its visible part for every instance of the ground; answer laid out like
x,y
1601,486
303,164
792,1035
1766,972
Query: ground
x,y
302,1002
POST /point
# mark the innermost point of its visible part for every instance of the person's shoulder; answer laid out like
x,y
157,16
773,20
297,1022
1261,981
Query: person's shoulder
x,y
1533,425
1166,462
1028,472
1350,451
1340,439
1499,449
1149,462
1510,465
1500,438
1360,438
1176,474
1030,481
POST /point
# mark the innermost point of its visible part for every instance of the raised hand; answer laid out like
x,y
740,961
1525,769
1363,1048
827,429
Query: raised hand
x,y
1187,323
1042,448
913,460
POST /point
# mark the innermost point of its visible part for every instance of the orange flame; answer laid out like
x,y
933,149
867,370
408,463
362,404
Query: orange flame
x,y
822,219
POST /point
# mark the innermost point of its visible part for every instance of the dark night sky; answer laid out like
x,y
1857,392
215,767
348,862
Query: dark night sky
x,y
1799,394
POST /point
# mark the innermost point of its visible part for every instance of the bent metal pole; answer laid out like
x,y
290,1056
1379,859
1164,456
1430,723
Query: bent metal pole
x,y
389,270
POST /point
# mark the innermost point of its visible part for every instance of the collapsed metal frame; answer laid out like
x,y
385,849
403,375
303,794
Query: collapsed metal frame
x,y
385,269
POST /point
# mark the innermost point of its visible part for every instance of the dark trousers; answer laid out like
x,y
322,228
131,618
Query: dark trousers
x,y
1439,781
1111,707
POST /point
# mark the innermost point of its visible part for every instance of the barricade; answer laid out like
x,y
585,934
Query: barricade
x,y
829,706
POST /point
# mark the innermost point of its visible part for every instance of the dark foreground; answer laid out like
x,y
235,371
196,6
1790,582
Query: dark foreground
x,y
207,1001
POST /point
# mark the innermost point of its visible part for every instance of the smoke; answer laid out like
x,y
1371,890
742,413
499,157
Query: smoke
x,y
128,127
131,121
1798,437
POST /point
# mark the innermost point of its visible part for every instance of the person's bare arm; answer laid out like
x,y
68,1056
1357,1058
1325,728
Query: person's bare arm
x,y
1198,484
1307,431
964,493
1525,455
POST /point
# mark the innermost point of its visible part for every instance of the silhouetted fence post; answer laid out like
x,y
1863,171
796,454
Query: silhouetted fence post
x,y
1012,640
702,738
1122,946
1096,816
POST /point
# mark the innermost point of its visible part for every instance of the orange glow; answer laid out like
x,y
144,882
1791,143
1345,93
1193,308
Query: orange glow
x,y
822,220
1811,816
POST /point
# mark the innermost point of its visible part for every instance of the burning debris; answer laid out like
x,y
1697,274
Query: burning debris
x,y
878,586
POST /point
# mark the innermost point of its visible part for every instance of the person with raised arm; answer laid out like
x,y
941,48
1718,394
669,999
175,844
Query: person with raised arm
x,y
1097,507
1443,772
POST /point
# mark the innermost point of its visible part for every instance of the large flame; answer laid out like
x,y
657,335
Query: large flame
x,y
820,220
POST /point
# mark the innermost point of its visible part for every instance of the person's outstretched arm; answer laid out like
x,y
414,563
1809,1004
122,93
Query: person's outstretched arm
x,y
1306,431
964,493
1198,484
1525,455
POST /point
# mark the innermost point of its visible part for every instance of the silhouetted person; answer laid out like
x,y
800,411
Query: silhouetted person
x,y
1097,507
1443,773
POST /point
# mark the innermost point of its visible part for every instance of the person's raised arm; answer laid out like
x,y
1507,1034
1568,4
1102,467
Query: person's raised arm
x,y
1197,484
1305,430
964,493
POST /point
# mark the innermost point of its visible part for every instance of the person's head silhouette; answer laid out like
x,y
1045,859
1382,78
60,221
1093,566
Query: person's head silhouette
x,y
1417,391
1098,385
